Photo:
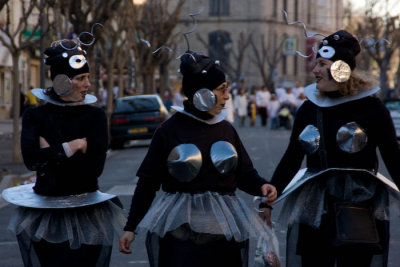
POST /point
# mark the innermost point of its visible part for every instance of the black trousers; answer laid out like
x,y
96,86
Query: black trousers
x,y
316,250
185,253
264,116
61,255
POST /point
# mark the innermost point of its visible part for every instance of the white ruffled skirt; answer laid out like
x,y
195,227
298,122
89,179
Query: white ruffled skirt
x,y
90,225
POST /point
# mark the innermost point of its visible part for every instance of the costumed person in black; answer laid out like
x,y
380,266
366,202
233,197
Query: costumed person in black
x,y
337,209
62,220
199,161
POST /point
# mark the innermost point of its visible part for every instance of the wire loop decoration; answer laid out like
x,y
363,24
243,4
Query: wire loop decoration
x,y
301,23
78,42
185,34
370,40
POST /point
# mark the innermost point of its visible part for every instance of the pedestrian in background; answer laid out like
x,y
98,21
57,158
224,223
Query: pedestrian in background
x,y
198,160
64,220
273,110
241,104
262,100
337,209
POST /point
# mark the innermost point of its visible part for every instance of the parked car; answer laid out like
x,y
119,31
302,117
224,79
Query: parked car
x,y
394,107
136,117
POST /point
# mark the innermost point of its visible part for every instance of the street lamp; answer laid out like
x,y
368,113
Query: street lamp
x,y
138,2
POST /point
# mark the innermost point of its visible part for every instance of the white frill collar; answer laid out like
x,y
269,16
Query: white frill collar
x,y
217,118
314,96
40,93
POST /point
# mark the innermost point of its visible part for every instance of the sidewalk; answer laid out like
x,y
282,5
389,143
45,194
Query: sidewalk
x,y
11,173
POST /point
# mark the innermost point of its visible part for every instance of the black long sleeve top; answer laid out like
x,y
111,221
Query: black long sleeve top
x,y
56,173
369,113
182,129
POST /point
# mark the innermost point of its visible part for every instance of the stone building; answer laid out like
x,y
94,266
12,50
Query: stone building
x,y
222,23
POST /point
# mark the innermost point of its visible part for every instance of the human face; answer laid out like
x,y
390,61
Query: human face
x,y
222,95
80,87
325,82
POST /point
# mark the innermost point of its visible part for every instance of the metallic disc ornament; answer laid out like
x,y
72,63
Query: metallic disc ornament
x,y
24,196
184,162
204,99
326,51
62,84
309,139
340,71
224,157
351,138
77,61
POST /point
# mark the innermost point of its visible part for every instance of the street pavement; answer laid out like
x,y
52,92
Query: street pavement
x,y
264,146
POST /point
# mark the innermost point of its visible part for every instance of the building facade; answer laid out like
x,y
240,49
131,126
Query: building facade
x,y
222,24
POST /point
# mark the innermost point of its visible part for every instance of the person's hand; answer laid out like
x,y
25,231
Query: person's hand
x,y
269,191
265,214
125,242
43,142
78,144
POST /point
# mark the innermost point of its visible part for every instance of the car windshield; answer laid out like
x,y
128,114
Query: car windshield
x,y
393,105
137,105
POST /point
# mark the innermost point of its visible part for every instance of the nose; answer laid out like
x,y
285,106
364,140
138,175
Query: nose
x,y
315,69
226,95
87,82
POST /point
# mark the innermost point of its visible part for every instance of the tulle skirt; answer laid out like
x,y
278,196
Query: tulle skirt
x,y
89,227
308,205
204,217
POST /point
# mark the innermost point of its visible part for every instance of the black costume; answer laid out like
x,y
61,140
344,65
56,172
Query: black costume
x,y
204,213
349,176
80,236
62,220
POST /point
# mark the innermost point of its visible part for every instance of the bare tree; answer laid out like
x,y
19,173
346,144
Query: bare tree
x,y
382,39
13,38
118,33
156,23
266,58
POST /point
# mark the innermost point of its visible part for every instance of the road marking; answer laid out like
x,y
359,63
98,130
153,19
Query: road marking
x,y
7,243
122,190
141,262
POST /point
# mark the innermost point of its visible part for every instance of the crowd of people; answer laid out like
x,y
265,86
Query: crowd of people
x,y
276,109
337,209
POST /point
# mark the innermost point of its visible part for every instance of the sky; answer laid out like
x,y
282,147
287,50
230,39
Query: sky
x,y
393,6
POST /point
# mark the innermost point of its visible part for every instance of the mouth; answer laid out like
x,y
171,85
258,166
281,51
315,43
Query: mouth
x,y
84,93
318,78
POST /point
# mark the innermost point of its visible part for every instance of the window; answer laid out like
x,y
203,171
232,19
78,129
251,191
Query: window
x,y
220,44
219,7
275,8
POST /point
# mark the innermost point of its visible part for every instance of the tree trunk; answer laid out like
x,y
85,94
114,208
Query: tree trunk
x,y
164,79
16,157
148,82
121,84
384,81
110,89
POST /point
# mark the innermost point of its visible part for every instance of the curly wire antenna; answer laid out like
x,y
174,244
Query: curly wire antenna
x,y
145,42
78,39
185,34
163,47
301,23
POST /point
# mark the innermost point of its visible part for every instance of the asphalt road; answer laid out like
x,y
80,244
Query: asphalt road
x,y
265,148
